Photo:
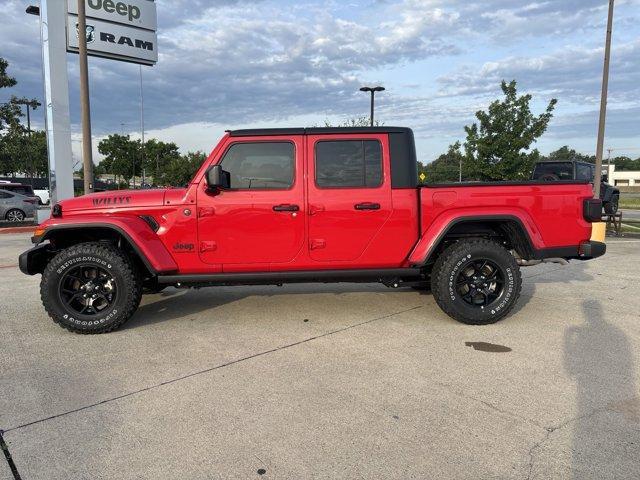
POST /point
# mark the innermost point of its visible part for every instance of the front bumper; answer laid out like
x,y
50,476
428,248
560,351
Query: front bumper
x,y
34,260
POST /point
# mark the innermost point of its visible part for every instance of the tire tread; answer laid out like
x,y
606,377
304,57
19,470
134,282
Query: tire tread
x,y
443,266
94,248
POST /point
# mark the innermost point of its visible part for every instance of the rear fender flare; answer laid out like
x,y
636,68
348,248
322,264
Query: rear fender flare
x,y
431,238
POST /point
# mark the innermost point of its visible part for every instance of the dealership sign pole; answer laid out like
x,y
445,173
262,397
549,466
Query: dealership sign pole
x,y
85,106
56,97
119,30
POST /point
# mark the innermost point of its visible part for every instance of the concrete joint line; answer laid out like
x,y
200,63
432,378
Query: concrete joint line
x,y
7,456
553,429
207,370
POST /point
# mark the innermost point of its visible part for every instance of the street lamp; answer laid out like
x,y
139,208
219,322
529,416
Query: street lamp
x,y
373,91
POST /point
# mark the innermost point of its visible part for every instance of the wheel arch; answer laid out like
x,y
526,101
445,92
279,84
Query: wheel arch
x,y
509,229
140,242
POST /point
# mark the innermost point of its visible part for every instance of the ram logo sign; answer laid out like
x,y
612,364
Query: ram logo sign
x,y
121,30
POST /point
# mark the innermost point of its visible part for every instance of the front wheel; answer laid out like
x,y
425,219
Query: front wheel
x,y
90,288
476,281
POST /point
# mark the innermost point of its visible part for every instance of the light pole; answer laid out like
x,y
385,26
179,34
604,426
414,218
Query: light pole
x,y
373,91
603,102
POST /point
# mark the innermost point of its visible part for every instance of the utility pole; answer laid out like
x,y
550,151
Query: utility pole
x,y
85,109
373,91
141,129
603,103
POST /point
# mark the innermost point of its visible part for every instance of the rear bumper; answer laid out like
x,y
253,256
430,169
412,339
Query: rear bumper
x,y
592,249
33,260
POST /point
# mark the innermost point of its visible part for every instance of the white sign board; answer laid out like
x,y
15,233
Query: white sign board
x,y
116,41
134,13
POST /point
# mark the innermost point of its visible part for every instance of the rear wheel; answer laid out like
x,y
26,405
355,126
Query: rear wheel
x,y
15,215
476,281
611,207
90,288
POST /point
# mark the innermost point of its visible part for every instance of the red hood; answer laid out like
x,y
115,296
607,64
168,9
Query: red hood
x,y
115,199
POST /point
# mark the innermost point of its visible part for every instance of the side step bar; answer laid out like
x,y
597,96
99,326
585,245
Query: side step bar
x,y
297,276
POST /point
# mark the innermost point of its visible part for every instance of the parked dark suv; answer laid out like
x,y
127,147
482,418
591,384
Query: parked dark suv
x,y
574,170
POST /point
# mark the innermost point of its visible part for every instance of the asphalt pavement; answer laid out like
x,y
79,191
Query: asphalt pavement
x,y
329,381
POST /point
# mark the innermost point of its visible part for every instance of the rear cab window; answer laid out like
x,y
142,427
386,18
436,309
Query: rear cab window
x,y
348,164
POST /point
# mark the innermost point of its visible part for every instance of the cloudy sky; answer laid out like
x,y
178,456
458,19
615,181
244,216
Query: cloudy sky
x,y
234,63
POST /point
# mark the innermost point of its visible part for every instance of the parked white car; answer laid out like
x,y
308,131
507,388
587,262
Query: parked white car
x,y
43,196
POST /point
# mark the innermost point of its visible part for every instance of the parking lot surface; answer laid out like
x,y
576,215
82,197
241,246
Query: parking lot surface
x,y
329,381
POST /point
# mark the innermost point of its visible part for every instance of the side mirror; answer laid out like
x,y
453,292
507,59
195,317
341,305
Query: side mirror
x,y
217,178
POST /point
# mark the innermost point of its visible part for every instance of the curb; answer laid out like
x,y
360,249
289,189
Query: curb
x,y
17,229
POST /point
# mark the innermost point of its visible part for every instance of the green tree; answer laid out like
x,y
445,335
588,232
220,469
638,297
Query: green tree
x,y
21,152
121,156
181,170
445,168
567,154
498,147
363,121
158,155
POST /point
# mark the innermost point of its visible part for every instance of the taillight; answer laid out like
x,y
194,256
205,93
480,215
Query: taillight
x,y
30,200
592,210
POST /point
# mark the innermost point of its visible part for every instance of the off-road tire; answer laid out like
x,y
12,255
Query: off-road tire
x,y
102,255
610,208
449,266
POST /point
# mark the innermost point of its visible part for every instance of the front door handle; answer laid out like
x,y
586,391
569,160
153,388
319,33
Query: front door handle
x,y
286,207
367,206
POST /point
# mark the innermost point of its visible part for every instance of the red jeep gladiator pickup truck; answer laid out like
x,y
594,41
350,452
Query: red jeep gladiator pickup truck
x,y
274,206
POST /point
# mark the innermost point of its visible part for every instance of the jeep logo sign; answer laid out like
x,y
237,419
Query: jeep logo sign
x,y
134,13
120,8
121,29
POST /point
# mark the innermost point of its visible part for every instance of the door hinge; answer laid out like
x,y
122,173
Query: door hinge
x,y
208,246
313,209
317,243
206,212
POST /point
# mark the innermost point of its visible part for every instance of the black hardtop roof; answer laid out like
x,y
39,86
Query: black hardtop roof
x,y
314,131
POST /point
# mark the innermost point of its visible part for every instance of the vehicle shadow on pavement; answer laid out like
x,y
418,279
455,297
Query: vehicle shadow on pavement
x,y
175,303
606,425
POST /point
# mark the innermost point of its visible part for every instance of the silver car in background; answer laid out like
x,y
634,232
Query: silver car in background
x,y
15,207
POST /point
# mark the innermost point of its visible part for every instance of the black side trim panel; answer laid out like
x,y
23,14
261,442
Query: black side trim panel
x,y
298,276
404,172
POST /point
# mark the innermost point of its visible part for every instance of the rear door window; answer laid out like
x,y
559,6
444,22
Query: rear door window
x,y
348,164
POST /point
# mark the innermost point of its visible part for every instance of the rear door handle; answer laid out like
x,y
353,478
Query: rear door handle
x,y
367,206
286,207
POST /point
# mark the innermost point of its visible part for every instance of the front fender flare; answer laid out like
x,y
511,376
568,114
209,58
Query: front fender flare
x,y
135,231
